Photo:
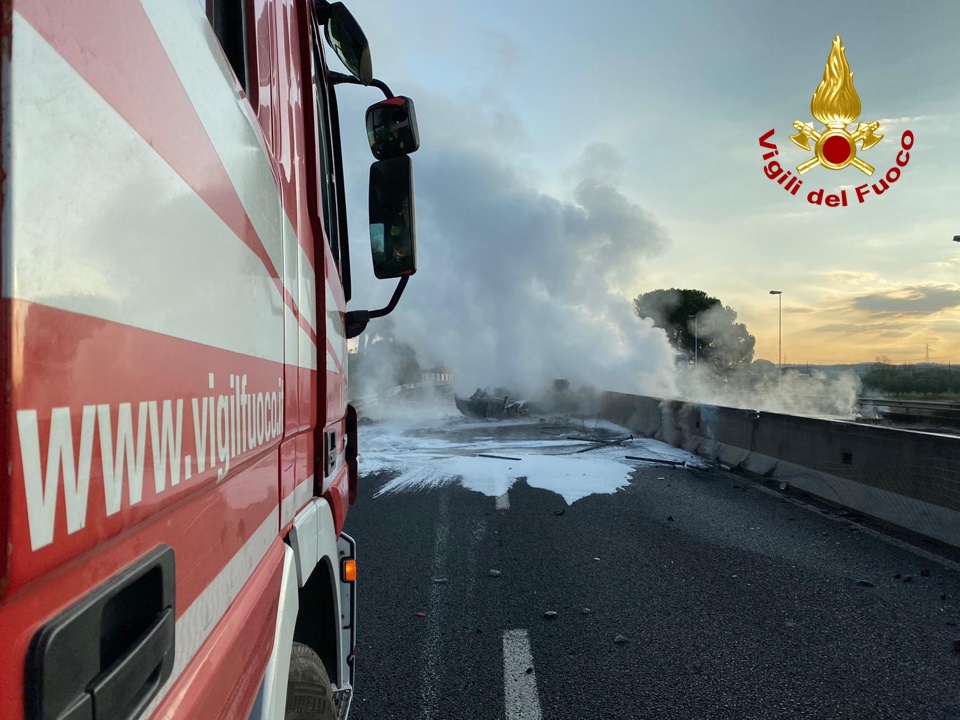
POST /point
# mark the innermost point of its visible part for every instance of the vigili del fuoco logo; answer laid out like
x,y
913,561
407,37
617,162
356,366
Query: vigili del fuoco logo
x,y
836,105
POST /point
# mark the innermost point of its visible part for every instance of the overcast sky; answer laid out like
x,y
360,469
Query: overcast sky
x,y
640,121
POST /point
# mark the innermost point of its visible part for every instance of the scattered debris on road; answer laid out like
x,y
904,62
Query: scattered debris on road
x,y
440,580
925,573
613,441
420,614
620,639
585,611
598,443
550,614
663,461
559,512
498,457
865,583
495,573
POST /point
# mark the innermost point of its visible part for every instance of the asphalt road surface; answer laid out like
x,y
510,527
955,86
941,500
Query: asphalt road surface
x,y
685,594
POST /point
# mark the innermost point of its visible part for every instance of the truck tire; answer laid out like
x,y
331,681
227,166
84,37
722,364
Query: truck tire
x,y
309,695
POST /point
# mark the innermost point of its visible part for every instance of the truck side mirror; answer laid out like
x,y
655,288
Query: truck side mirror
x,y
346,37
393,234
392,128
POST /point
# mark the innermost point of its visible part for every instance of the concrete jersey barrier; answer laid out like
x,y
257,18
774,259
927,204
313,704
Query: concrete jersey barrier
x,y
910,479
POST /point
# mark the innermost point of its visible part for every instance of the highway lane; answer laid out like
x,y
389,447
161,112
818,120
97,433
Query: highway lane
x,y
731,602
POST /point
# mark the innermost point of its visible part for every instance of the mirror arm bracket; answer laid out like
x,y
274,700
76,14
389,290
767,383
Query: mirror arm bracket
x,y
356,320
321,10
338,78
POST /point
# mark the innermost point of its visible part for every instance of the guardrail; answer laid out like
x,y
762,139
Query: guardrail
x,y
911,410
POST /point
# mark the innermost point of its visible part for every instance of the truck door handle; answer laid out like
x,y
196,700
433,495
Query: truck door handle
x,y
108,655
330,452
136,673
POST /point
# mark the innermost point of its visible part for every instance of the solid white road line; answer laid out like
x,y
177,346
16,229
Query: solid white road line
x,y
519,678
503,501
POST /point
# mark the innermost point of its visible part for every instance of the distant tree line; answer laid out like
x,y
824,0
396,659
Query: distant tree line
x,y
885,378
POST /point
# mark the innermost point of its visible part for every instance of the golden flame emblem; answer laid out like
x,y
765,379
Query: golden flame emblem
x,y
836,104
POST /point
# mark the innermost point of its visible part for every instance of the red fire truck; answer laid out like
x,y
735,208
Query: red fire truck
x,y
175,433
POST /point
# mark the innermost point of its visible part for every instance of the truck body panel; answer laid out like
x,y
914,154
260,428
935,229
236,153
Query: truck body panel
x,y
173,347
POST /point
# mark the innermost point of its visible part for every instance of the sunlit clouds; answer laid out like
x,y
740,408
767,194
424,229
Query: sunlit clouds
x,y
572,160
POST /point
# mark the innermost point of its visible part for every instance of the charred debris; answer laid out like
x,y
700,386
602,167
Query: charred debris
x,y
502,403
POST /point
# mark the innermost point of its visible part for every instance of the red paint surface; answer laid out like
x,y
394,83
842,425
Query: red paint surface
x,y
164,116
202,532
338,496
59,359
238,647
836,149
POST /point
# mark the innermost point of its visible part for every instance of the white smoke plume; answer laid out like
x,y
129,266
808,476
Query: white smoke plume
x,y
517,287
761,386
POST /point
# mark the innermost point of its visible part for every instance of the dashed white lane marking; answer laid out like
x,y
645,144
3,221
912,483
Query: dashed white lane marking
x,y
503,501
432,666
519,678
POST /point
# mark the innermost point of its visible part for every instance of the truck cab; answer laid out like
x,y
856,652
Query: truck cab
x,y
175,262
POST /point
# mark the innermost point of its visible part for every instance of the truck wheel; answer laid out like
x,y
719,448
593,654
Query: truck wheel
x,y
309,695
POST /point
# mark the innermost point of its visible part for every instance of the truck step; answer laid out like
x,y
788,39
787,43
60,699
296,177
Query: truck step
x,y
342,698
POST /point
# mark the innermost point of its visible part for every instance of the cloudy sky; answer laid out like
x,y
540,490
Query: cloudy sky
x,y
574,155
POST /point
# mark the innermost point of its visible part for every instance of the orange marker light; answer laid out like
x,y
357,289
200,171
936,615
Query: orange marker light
x,y
349,570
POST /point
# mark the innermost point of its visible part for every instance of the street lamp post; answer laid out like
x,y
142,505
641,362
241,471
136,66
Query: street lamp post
x,y
696,339
779,294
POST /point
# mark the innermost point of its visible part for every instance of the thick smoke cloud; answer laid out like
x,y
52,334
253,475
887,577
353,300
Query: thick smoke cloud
x,y
517,287
732,343
761,386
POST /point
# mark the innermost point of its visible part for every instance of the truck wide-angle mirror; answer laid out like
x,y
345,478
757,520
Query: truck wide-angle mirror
x,y
346,37
392,128
393,235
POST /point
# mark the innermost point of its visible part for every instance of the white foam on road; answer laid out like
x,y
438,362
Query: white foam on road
x,y
572,477
422,462
520,697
